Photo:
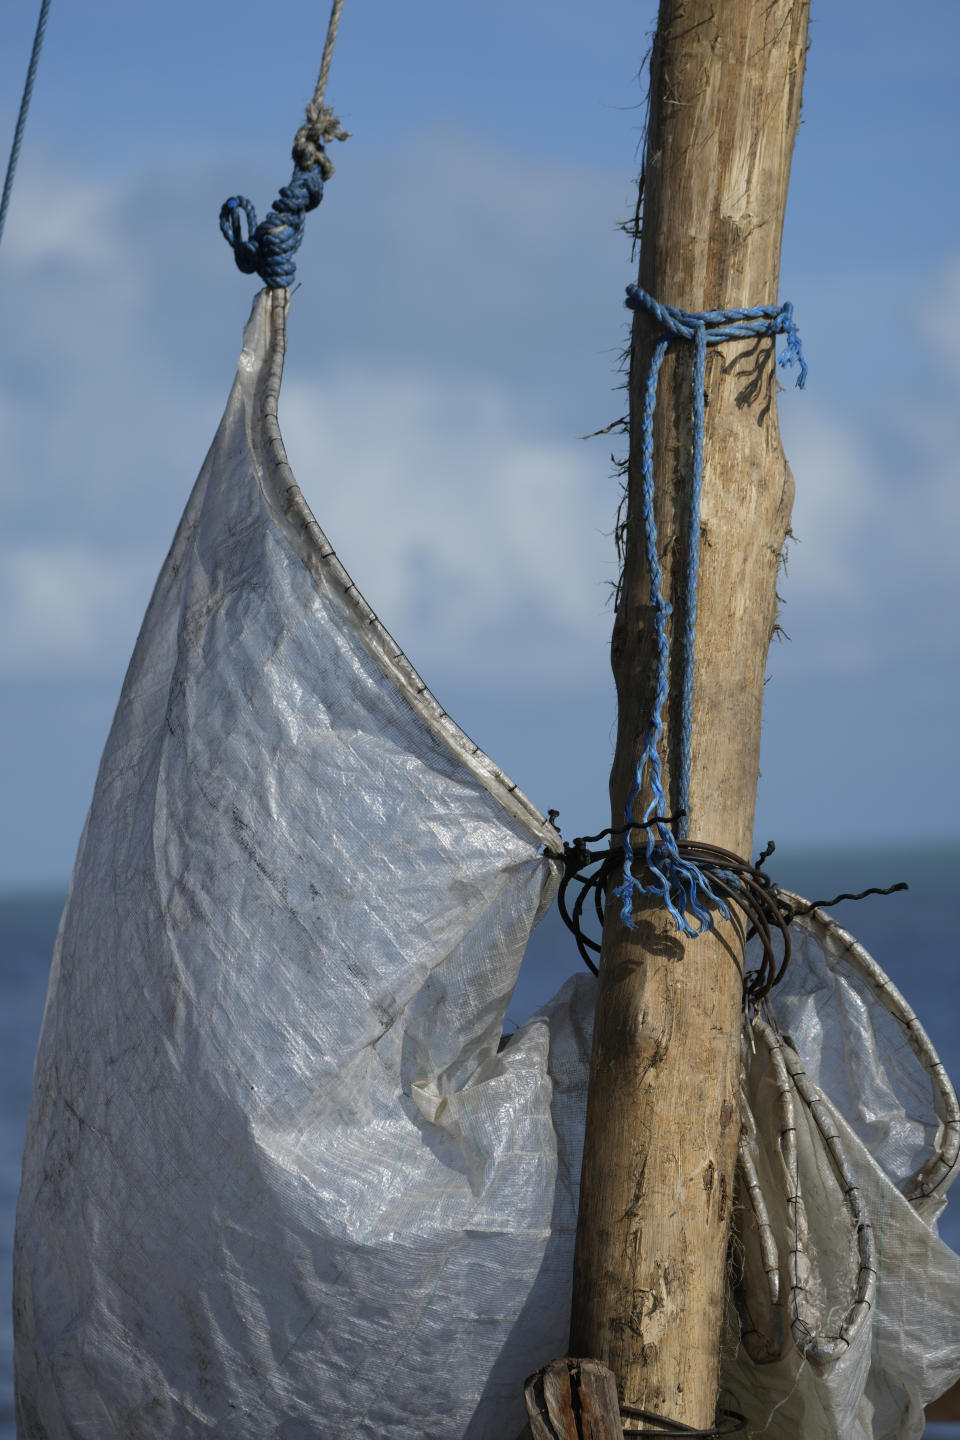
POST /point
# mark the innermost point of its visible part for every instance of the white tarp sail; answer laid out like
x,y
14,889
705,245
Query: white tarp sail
x,y
279,1179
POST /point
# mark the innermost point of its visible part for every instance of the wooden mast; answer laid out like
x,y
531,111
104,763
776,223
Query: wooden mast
x,y
663,1112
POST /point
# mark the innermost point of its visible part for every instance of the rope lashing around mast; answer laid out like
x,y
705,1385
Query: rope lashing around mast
x,y
766,911
682,883
271,245
22,115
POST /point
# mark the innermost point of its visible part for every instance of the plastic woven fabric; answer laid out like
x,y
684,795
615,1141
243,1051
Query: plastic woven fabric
x,y
280,1179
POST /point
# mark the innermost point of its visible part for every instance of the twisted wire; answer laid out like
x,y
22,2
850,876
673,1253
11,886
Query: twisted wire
x,y
661,1427
733,883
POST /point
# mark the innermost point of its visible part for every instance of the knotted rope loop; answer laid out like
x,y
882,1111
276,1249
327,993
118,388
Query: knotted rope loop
x,y
321,126
245,252
680,881
720,325
269,247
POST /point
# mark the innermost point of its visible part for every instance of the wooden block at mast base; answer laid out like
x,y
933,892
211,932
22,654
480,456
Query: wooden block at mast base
x,y
573,1399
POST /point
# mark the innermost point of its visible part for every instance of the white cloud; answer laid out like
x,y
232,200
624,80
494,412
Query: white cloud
x,y
941,315
68,604
479,538
872,577
441,363
458,493
64,220
832,470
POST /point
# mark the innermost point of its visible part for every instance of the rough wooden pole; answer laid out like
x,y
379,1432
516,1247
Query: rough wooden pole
x,y
663,1112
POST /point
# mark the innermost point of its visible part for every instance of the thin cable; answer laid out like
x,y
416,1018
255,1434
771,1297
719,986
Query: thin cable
x,y
729,1422
325,63
321,125
22,117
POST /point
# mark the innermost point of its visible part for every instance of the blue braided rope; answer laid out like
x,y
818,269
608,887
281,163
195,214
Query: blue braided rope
x,y
683,886
22,116
270,247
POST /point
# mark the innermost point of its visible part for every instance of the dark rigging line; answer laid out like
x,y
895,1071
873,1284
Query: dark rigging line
x,y
22,117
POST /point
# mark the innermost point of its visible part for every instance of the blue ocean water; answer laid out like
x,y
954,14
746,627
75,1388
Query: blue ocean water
x,y
28,927
913,935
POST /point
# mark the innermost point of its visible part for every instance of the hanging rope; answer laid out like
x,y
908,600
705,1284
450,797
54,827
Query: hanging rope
x,y
681,882
22,117
270,246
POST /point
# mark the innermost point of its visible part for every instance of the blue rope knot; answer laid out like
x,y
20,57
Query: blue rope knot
x,y
683,886
714,326
270,247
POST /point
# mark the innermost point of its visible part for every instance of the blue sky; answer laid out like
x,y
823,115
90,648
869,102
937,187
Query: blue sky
x,y
457,330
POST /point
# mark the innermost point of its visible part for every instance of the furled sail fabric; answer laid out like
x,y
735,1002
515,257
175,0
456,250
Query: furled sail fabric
x,y
857,1101
280,1179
